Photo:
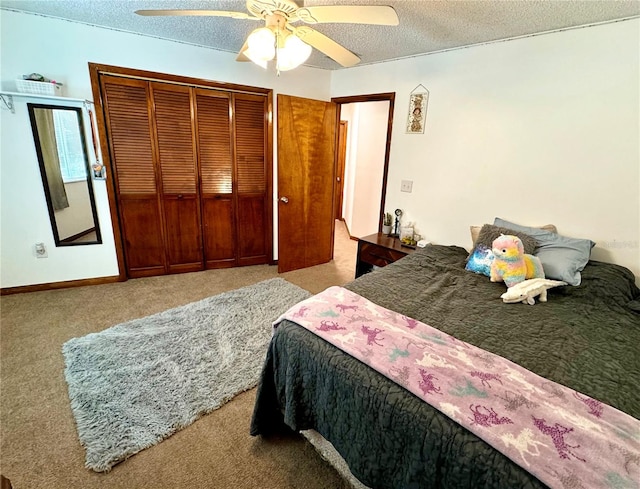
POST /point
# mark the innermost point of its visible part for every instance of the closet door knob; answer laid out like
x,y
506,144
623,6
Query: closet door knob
x,y
284,200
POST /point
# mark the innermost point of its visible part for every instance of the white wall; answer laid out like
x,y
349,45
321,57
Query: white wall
x,y
24,218
537,130
364,167
61,50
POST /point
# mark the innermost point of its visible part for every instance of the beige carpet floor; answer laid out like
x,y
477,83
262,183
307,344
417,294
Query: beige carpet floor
x,y
39,443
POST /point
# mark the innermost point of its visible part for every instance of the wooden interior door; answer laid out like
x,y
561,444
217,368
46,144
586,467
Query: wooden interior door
x,y
128,121
306,175
340,165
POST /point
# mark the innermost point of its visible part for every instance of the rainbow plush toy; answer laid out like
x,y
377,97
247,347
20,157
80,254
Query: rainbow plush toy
x,y
510,263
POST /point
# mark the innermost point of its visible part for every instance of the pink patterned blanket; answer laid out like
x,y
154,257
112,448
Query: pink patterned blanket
x,y
564,438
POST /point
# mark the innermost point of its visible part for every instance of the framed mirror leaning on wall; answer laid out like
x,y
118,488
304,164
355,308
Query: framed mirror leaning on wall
x,y
59,136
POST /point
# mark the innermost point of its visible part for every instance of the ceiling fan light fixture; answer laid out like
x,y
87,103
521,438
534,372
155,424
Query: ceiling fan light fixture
x,y
293,53
262,63
262,46
268,42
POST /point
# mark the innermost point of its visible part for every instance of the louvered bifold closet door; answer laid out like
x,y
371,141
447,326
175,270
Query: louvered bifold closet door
x,y
252,176
216,178
129,133
178,175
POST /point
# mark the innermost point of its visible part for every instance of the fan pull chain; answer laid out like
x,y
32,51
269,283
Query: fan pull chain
x,y
277,49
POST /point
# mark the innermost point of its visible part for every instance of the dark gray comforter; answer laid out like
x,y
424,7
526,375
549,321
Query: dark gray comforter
x,y
585,337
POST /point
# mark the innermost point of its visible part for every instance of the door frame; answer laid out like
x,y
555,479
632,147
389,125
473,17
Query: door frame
x,y
375,97
96,70
341,148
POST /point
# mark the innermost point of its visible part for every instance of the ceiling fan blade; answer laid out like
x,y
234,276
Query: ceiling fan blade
x,y
197,13
327,46
352,14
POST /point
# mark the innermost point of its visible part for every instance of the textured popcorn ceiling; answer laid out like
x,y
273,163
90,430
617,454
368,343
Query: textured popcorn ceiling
x,y
425,26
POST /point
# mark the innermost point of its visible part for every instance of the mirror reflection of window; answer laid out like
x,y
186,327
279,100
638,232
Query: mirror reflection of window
x,y
69,142
64,168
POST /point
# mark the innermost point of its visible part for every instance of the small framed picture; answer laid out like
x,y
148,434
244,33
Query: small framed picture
x,y
98,171
417,112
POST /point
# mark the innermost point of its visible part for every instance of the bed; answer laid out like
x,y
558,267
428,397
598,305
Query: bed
x,y
585,337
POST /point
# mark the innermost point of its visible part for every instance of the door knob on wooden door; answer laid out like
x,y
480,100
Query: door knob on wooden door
x,y
284,200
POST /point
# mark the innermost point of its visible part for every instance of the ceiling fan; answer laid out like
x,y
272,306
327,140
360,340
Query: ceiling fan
x,y
289,45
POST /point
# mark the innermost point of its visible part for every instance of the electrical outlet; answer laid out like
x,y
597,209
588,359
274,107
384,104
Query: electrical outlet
x,y
41,250
406,186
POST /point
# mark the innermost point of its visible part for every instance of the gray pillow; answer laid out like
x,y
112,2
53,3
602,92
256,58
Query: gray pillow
x,y
489,232
562,258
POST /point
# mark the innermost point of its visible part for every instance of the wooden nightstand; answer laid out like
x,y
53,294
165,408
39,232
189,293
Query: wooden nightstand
x,y
379,250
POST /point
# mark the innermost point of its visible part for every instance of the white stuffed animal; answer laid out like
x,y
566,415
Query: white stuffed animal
x,y
527,290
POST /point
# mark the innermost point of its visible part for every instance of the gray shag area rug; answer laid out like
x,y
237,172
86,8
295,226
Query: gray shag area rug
x,y
137,383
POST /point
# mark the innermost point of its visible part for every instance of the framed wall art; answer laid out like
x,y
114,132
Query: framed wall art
x,y
417,115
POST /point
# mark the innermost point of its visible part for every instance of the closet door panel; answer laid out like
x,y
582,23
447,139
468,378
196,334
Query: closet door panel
x,y
219,242
131,150
251,178
178,173
216,177
251,230
181,216
145,249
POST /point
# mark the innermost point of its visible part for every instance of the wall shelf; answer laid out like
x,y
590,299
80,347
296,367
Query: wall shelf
x,y
7,98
